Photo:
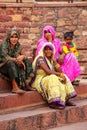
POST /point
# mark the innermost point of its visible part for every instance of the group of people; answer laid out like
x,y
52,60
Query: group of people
x,y
55,67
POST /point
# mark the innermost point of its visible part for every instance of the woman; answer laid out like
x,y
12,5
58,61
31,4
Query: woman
x,y
51,83
69,64
13,63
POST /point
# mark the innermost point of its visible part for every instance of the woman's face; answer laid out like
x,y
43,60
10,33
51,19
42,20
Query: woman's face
x,y
48,52
13,39
48,35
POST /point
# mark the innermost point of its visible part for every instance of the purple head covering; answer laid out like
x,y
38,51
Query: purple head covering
x,y
55,41
48,46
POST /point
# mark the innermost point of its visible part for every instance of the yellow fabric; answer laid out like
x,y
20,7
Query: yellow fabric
x,y
52,86
72,49
49,86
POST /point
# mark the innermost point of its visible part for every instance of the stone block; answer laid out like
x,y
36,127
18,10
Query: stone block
x,y
16,18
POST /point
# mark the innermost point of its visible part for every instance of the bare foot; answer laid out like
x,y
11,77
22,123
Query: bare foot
x,y
18,91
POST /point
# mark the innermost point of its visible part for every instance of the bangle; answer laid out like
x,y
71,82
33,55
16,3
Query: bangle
x,y
61,75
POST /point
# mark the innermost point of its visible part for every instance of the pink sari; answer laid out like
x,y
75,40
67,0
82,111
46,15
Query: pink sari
x,y
70,66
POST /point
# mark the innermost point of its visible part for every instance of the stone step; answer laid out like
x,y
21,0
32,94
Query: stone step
x,y
30,98
73,126
10,101
5,85
41,118
81,89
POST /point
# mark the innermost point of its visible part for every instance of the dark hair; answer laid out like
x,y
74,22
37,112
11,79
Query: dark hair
x,y
68,34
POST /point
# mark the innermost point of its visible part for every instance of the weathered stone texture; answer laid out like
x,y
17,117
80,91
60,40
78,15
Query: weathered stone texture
x,y
31,18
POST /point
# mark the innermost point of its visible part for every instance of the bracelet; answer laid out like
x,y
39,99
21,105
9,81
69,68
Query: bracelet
x,y
61,75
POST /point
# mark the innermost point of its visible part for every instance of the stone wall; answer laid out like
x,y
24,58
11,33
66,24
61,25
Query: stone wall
x,y
31,18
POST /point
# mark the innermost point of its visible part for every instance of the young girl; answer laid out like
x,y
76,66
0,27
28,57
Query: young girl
x,y
70,46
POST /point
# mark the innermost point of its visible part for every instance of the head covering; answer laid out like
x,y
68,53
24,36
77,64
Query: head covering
x,y
55,41
46,44
41,52
51,29
9,34
12,32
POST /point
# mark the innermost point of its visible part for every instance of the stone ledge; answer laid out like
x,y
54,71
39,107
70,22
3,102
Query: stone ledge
x,y
43,4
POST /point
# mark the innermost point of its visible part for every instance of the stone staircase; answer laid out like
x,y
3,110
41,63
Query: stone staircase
x,y
29,111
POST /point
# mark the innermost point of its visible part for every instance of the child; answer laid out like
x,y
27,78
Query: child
x,y
70,46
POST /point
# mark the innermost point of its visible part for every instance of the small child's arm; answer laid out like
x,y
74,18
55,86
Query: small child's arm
x,y
65,49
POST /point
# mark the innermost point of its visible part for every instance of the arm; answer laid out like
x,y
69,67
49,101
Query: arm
x,y
65,49
62,78
47,70
41,63
20,53
61,57
58,73
76,52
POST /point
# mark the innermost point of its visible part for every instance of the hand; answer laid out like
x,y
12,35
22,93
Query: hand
x,y
61,59
49,38
20,57
57,66
21,63
13,59
63,80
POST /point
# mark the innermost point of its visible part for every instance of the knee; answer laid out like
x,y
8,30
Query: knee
x,y
53,76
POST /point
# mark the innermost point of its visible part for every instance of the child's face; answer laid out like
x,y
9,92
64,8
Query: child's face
x,y
68,40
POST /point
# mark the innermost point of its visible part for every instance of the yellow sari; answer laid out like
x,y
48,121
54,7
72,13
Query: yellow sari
x,y
50,86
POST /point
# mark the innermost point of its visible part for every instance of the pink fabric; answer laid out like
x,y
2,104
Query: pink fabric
x,y
70,66
56,42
